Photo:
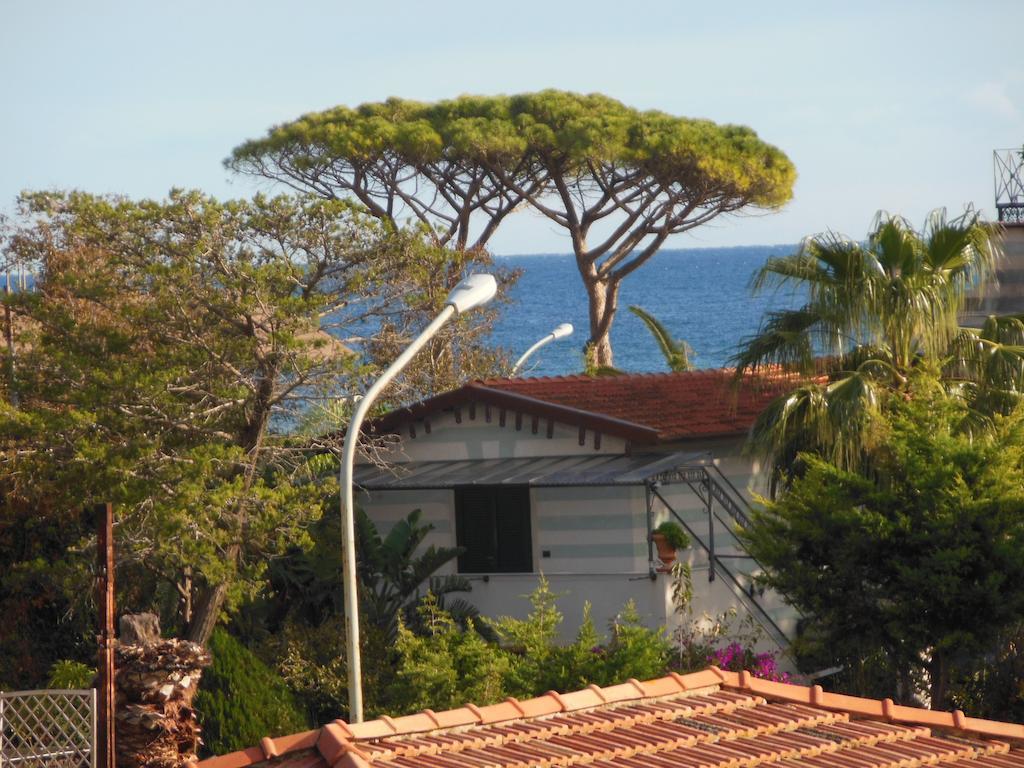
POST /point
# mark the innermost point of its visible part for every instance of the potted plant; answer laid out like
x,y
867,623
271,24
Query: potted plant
x,y
668,537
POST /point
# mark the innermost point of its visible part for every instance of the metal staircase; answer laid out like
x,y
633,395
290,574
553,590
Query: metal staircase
x,y
737,569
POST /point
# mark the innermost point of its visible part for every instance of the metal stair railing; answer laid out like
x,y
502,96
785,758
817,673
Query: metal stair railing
x,y
720,489
735,585
729,497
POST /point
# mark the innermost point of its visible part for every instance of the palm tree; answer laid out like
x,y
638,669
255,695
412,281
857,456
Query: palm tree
x,y
676,351
873,312
395,574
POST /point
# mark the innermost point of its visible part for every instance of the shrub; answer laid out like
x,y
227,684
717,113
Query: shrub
x,y
241,700
634,650
70,674
540,664
737,657
445,666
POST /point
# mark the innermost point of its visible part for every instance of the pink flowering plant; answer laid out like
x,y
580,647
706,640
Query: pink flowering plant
x,y
697,639
736,657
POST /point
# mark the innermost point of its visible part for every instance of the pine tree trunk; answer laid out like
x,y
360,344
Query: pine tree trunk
x,y
603,297
206,610
938,671
205,614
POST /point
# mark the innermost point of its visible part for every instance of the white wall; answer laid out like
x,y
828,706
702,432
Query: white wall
x,y
478,439
507,595
590,529
385,508
590,542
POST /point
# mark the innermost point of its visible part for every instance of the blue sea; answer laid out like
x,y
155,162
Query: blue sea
x,y
701,295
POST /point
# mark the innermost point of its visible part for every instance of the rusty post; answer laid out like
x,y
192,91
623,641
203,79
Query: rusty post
x,y
105,558
12,394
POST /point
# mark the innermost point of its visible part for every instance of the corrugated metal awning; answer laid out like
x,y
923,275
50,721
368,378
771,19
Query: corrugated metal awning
x,y
601,469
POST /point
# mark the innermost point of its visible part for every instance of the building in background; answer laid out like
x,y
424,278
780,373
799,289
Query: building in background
x,y
1007,296
567,476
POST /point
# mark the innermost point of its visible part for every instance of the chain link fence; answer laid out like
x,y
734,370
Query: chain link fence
x,y
48,729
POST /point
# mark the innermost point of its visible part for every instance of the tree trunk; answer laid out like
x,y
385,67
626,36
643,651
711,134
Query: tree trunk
x,y
206,610
938,671
156,683
206,613
904,684
603,297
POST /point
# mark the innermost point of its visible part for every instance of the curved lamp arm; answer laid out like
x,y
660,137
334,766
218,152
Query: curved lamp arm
x,y
563,330
468,294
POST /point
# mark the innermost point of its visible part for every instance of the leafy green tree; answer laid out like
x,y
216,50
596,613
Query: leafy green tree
x,y
919,563
165,356
618,180
461,350
241,700
995,690
37,594
675,351
873,312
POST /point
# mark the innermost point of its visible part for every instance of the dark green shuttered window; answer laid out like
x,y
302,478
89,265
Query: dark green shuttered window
x,y
493,524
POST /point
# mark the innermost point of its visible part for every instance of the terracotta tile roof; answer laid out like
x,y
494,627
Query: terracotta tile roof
x,y
676,405
709,718
645,408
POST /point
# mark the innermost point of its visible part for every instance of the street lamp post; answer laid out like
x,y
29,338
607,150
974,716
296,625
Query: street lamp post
x,y
468,294
563,330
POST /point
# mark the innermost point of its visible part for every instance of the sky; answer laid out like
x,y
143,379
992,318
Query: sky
x,y
893,105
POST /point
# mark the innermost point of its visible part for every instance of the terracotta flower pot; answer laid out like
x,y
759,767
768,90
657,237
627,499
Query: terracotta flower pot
x,y
666,552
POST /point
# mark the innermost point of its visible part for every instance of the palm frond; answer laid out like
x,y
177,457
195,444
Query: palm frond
x,y
675,351
406,535
881,310
786,338
452,582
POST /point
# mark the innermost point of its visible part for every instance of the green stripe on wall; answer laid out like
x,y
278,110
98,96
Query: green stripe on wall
x,y
587,522
583,551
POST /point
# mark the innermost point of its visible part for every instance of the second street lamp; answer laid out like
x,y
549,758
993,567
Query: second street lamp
x,y
472,292
563,330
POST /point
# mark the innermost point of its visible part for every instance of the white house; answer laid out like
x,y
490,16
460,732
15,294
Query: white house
x,y
566,476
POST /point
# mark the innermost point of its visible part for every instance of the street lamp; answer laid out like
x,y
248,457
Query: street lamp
x,y
565,329
468,294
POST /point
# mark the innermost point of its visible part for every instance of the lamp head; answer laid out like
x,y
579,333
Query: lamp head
x,y
472,292
565,329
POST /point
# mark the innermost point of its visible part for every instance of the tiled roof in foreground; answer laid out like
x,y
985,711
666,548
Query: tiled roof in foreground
x,y
709,718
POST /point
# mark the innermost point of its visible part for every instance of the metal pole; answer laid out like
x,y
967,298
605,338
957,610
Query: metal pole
x,y
563,330
711,529
105,557
12,395
93,757
348,532
519,363
649,498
